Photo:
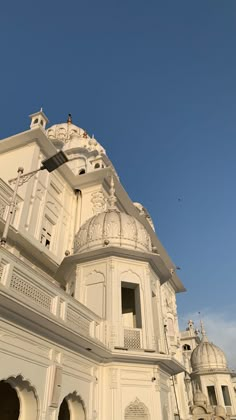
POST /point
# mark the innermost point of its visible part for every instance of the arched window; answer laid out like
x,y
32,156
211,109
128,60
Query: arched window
x,y
97,165
136,411
36,121
82,171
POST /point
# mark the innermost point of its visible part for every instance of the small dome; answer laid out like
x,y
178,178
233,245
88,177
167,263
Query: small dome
x,y
112,228
68,136
199,398
206,356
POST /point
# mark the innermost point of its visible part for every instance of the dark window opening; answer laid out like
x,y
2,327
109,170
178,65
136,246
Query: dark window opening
x,y
212,395
225,392
36,121
131,307
46,234
82,171
97,165
9,402
186,347
41,122
64,413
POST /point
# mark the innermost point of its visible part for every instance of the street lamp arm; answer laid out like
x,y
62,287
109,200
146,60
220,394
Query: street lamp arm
x,y
50,164
24,178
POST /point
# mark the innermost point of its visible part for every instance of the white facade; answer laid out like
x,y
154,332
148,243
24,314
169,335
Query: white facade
x,y
89,326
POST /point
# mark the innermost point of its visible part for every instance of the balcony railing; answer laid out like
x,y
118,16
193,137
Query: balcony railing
x,y
132,338
28,285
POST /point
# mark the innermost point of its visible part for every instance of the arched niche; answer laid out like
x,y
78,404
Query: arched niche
x,y
136,410
23,396
72,408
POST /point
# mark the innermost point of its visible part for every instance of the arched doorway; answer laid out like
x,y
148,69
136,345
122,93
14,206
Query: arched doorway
x,y
72,408
9,402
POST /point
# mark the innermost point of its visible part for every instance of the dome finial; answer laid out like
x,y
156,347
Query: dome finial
x,y
203,332
69,119
112,199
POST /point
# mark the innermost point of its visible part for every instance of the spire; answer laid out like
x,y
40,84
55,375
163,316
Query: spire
x,y
112,199
69,119
203,332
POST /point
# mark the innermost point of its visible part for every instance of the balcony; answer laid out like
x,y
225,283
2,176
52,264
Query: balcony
x,y
35,300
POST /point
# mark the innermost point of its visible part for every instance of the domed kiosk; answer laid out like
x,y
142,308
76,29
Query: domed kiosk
x,y
210,371
85,153
208,357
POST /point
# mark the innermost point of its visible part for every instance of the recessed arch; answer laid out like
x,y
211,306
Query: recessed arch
x,y
27,397
72,408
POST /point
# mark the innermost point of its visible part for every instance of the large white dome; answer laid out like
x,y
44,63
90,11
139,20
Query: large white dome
x,y
207,356
112,228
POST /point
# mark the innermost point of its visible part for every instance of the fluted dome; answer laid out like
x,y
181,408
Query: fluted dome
x,y
69,136
206,356
112,228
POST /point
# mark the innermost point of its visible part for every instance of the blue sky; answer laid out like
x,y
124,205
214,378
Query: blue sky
x,y
155,82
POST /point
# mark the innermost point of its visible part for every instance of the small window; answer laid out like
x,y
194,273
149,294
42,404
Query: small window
x,y
131,307
97,165
186,347
82,171
225,392
212,395
36,121
41,122
46,234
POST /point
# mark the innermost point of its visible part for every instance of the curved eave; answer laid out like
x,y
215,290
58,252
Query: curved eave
x,y
111,251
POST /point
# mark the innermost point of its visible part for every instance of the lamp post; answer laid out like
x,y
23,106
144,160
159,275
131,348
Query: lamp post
x,y
50,164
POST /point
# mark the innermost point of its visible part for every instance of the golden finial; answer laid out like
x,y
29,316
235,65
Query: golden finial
x,y
69,119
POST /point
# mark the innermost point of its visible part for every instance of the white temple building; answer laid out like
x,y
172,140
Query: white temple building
x,y
88,318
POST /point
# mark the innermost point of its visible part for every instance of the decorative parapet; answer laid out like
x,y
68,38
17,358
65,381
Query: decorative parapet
x,y
24,285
